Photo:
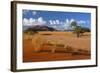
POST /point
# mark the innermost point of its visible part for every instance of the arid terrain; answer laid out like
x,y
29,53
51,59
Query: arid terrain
x,y
55,46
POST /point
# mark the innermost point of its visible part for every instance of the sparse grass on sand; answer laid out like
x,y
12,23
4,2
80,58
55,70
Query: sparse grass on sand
x,y
51,46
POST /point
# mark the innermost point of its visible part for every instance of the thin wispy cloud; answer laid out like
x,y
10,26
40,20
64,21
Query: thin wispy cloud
x,y
25,11
34,12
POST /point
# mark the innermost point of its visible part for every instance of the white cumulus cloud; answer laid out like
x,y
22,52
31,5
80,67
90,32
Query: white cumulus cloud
x,y
57,21
54,22
26,22
81,22
32,22
40,19
65,25
50,22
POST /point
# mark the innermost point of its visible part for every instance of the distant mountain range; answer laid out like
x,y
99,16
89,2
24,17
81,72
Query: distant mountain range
x,y
39,28
48,28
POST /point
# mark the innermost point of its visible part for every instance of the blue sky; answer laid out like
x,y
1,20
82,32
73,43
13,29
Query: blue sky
x,y
55,19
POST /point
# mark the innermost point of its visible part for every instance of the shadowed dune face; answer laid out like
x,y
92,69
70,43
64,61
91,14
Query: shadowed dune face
x,y
51,46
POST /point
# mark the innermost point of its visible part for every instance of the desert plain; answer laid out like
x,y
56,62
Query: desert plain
x,y
56,46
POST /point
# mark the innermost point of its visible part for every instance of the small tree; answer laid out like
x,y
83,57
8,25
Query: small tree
x,y
73,24
76,28
77,31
